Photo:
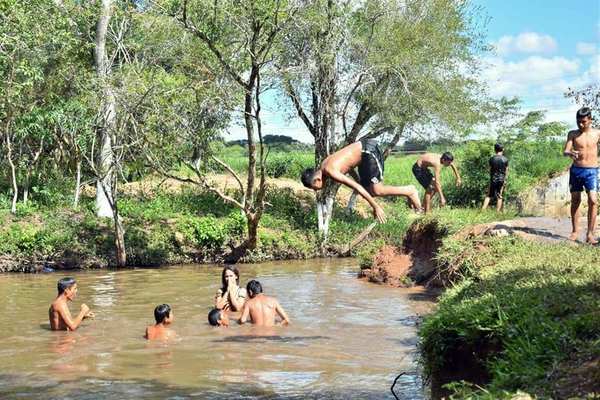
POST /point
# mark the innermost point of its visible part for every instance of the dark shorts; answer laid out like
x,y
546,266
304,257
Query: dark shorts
x,y
582,177
495,190
423,175
370,169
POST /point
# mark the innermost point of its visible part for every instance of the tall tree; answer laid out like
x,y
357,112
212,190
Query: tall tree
x,y
358,69
239,36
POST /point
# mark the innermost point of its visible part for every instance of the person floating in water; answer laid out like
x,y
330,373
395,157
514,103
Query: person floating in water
x,y
367,156
498,174
230,296
59,314
582,147
218,317
164,316
260,308
432,183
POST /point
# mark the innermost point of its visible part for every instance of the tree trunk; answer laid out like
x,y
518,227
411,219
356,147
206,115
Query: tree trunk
x,y
107,122
26,186
121,255
13,173
77,185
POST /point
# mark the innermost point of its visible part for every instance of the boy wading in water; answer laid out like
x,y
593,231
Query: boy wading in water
x,y
59,314
498,173
164,317
367,156
261,309
432,183
582,147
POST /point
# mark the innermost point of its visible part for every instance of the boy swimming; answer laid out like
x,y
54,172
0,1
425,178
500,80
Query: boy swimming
x,y
59,314
164,317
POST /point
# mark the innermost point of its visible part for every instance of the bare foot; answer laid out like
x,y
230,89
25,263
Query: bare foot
x,y
591,240
573,235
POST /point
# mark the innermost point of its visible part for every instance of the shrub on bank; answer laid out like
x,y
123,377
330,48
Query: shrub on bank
x,y
521,309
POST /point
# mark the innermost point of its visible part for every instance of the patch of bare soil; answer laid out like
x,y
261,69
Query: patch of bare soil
x,y
389,267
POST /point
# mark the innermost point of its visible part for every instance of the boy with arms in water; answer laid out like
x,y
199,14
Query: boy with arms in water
x,y
261,309
164,317
59,314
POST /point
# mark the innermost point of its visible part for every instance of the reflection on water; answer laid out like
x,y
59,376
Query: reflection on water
x,y
348,339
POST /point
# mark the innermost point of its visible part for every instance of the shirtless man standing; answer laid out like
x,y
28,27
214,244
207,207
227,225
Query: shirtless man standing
x,y
582,147
432,183
261,308
59,314
367,156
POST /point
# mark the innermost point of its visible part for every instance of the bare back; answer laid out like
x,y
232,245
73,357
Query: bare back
x,y
55,312
586,144
344,159
262,310
429,160
158,332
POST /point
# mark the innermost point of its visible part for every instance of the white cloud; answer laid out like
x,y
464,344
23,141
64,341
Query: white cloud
x,y
526,42
529,75
586,49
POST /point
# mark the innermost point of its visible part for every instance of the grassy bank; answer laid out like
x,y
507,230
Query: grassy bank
x,y
176,226
521,316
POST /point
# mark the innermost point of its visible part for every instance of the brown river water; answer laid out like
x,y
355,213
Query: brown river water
x,y
348,339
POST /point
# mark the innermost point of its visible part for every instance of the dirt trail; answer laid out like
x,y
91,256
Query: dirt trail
x,y
543,229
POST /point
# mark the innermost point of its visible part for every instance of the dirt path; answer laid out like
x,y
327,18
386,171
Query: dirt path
x,y
544,229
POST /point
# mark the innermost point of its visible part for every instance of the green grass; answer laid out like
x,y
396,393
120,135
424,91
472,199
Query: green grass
x,y
533,304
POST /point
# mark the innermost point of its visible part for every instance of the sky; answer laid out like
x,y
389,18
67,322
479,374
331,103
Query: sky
x,y
541,48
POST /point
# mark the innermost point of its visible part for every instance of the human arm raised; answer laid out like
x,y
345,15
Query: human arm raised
x,y
221,299
235,300
73,323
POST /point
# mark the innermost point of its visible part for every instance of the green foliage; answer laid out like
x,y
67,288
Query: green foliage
x,y
520,314
367,251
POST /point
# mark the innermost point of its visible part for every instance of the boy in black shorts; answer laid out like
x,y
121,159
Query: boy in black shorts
x,y
498,173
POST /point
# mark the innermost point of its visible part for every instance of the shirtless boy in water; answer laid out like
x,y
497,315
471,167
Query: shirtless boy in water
x,y
261,308
59,314
368,158
582,147
164,317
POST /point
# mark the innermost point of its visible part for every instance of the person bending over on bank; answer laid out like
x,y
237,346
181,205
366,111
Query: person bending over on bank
x,y
164,316
230,296
59,314
218,317
260,308
582,147
432,183
367,156
498,174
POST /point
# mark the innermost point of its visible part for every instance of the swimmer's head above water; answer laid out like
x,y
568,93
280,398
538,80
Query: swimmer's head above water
x,y
218,317
68,286
253,288
163,314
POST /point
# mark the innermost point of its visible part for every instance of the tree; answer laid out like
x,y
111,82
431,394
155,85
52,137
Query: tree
x,y
588,96
239,38
363,69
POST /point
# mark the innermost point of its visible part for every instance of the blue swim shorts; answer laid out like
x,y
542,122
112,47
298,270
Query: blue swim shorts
x,y
583,177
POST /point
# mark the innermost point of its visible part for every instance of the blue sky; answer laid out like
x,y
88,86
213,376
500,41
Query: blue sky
x,y
542,47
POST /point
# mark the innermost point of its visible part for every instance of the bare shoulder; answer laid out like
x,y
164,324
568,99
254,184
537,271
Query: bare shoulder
x,y
572,133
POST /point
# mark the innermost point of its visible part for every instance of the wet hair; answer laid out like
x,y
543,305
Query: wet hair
x,y
214,316
161,312
224,281
307,177
584,112
65,283
253,288
447,156
498,148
